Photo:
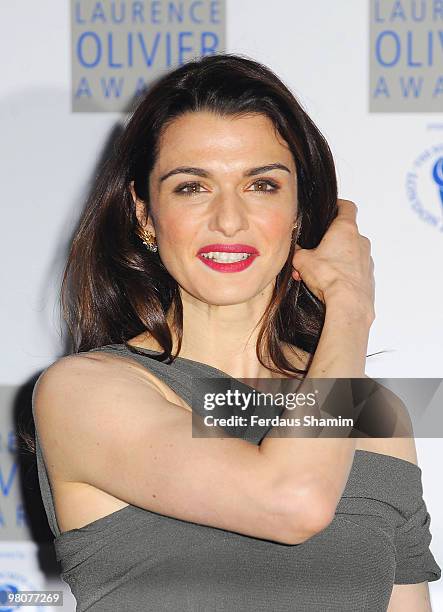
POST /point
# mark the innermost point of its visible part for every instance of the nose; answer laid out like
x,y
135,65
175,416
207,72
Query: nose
x,y
229,215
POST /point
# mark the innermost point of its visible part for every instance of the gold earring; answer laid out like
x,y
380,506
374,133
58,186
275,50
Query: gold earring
x,y
148,239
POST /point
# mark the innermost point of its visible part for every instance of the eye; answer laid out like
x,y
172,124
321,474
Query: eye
x,y
192,188
263,183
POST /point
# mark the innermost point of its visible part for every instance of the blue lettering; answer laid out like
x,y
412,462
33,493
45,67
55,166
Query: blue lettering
x,y
12,445
140,86
78,16
438,90
206,49
111,62
83,37
381,88
149,58
156,12
121,17
378,47
130,50
111,88
430,48
137,11
398,11
409,46
191,12
6,487
422,16
181,48
411,85
417,11
178,13
98,13
438,9
83,89
168,49
21,518
437,174
160,12
214,12
378,17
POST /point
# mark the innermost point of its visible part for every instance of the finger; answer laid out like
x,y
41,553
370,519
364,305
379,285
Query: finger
x,y
347,209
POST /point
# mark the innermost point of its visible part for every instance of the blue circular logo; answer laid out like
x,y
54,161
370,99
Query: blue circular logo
x,y
424,186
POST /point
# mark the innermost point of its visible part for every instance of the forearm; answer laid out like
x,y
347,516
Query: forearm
x,y
341,350
318,462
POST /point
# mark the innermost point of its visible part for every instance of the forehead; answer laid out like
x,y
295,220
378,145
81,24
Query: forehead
x,y
209,137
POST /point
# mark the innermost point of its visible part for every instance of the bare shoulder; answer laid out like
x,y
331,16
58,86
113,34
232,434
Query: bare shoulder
x,y
77,394
402,448
83,372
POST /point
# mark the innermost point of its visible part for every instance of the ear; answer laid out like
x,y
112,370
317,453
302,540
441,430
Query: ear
x,y
144,218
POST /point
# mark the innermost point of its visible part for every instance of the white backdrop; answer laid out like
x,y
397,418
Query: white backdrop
x,y
320,49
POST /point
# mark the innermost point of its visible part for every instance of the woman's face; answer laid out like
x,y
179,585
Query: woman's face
x,y
212,188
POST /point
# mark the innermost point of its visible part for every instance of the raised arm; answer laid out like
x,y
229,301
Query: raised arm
x,y
340,273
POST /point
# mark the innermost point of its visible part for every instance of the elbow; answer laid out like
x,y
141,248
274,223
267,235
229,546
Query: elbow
x,y
305,511
316,514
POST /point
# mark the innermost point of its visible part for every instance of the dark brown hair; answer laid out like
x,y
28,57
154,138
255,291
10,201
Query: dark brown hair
x,y
114,288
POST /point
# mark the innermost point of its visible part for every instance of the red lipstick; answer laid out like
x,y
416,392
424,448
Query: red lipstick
x,y
224,263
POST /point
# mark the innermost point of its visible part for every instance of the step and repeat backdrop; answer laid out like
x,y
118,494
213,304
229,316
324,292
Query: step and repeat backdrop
x,y
369,73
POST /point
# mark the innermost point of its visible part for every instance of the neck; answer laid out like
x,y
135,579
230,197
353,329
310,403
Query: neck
x,y
222,336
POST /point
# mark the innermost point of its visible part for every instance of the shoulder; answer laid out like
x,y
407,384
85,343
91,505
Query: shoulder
x,y
400,448
83,404
89,366
86,375
391,412
71,371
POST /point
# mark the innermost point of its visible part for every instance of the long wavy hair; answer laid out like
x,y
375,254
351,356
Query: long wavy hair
x,y
114,288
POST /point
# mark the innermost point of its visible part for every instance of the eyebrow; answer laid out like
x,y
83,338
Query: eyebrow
x,y
204,173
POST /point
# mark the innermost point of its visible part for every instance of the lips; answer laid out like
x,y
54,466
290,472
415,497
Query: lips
x,y
228,248
227,251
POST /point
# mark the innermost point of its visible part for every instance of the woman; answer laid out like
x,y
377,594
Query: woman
x,y
185,265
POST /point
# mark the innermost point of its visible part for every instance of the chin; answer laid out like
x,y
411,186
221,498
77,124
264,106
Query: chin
x,y
223,300
227,294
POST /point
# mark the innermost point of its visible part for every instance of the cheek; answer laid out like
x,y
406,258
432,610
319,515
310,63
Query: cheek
x,y
276,231
175,229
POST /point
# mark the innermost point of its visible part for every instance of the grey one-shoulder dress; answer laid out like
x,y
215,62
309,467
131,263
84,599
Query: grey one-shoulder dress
x,y
137,560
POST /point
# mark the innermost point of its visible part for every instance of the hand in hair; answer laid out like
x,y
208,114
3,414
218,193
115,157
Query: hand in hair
x,y
341,263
